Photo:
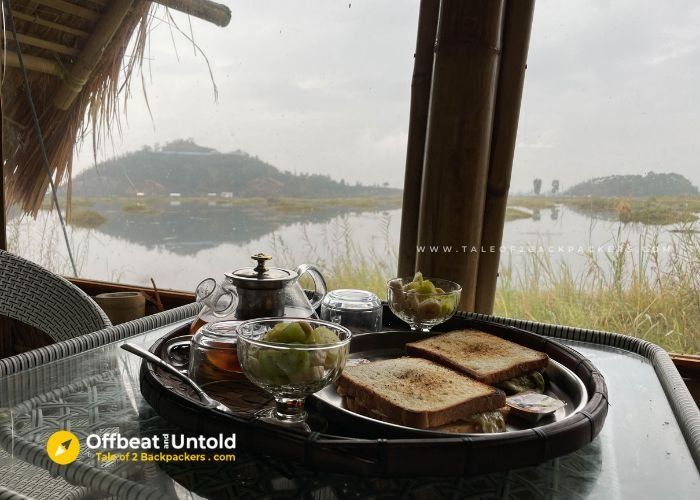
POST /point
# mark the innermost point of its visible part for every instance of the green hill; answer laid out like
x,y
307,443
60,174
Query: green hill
x,y
191,170
650,184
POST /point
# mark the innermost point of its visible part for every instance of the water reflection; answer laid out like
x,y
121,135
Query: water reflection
x,y
182,245
186,229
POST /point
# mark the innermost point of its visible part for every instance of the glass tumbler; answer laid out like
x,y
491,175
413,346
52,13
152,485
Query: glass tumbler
x,y
358,310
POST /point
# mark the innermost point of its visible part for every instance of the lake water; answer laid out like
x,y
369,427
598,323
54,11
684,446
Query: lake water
x,y
187,243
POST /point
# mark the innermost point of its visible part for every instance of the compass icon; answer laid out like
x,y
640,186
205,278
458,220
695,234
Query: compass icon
x,y
63,447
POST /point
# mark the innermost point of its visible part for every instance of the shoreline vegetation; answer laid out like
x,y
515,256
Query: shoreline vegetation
x,y
651,296
85,212
650,211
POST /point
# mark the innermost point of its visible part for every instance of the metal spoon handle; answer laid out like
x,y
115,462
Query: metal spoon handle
x,y
149,356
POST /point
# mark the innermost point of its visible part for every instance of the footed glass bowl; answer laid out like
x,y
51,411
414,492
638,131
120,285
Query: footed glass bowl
x,y
292,361
423,309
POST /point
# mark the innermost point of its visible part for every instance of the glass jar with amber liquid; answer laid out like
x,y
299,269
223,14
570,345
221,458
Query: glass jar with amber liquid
x,y
214,352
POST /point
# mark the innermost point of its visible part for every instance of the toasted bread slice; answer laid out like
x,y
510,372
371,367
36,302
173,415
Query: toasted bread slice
x,y
417,392
485,357
458,427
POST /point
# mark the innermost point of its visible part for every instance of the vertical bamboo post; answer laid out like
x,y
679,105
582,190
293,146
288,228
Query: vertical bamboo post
x,y
455,171
3,217
517,25
418,122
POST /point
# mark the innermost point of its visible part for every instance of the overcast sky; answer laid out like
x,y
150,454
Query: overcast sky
x,y
324,86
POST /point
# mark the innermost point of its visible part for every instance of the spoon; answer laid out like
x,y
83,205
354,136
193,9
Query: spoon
x,y
149,356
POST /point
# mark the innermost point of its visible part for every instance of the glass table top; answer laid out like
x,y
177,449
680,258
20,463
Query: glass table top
x,y
640,453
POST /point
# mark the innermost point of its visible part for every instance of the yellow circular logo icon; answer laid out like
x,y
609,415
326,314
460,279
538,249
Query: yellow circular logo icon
x,y
63,447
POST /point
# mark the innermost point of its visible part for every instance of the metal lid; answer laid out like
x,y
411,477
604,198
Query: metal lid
x,y
261,277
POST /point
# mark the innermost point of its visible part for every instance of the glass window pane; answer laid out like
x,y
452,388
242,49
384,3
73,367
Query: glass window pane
x,y
288,138
604,203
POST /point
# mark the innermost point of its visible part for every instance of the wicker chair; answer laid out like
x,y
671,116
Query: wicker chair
x,y
6,494
41,486
39,298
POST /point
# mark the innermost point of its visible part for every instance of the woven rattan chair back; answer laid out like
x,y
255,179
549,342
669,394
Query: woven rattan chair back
x,y
39,298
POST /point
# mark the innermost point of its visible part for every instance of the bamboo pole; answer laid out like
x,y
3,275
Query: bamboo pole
x,y
49,24
417,125
517,25
213,12
455,171
3,217
42,44
70,8
81,71
32,63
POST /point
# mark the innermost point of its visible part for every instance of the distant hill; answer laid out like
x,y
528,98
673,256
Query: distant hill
x,y
650,184
192,170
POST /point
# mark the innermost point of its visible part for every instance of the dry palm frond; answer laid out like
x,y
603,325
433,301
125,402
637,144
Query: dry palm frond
x,y
54,37
96,107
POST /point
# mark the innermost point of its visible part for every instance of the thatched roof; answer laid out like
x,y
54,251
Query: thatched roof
x,y
74,53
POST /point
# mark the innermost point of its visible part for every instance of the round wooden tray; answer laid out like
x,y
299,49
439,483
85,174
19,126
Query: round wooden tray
x,y
349,447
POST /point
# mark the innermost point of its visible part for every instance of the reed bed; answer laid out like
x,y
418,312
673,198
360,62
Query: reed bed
x,y
651,295
346,261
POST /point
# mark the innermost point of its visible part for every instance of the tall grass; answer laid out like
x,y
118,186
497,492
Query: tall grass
x,y
647,290
345,258
45,244
641,288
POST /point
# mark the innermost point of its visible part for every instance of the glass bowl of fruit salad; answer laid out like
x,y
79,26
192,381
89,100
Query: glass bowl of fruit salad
x,y
423,302
292,358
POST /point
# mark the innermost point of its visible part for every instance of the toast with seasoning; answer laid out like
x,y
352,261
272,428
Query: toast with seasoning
x,y
485,357
416,392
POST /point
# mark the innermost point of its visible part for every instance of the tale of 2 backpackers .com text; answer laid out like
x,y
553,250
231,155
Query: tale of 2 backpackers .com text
x,y
142,456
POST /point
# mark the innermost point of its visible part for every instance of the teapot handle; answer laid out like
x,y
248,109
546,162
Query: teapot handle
x,y
220,300
319,282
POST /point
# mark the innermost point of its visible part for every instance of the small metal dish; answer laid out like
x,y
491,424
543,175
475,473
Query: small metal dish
x,y
533,406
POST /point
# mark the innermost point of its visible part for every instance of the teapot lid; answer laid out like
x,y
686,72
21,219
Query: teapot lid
x,y
261,276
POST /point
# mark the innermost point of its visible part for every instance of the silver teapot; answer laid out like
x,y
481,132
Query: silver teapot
x,y
258,292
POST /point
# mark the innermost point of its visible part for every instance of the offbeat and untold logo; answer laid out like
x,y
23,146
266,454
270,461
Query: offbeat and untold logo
x,y
63,447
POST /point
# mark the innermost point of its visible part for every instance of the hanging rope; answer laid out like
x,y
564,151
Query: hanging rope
x,y
37,128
